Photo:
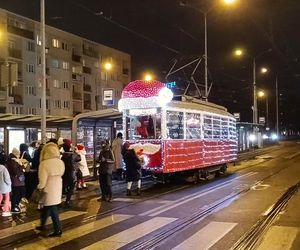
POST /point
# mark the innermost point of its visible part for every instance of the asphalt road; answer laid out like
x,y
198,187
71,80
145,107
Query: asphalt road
x,y
253,206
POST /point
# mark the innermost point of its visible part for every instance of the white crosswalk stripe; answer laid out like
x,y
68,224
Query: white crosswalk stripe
x,y
77,232
284,242
4,233
123,238
207,236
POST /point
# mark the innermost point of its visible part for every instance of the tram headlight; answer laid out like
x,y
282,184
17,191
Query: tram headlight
x,y
274,136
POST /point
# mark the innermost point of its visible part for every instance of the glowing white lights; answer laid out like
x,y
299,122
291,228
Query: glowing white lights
x,y
252,137
274,136
141,112
165,95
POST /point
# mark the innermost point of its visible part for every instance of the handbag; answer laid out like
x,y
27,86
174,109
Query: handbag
x,y
38,196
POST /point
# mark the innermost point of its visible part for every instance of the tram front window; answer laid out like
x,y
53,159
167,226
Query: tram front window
x,y
143,126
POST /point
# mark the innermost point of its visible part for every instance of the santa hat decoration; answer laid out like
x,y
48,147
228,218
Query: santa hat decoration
x,y
80,147
145,94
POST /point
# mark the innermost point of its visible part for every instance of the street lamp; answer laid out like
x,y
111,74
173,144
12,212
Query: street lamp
x,y
262,94
238,52
148,77
205,13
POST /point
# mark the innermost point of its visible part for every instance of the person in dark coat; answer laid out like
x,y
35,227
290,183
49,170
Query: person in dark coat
x,y
2,155
16,172
106,160
25,156
69,178
133,168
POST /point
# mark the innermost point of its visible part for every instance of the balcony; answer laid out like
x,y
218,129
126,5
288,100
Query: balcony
x,y
77,96
90,53
16,53
76,77
87,88
20,32
76,58
15,99
86,70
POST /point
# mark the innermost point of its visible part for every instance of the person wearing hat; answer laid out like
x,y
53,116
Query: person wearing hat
x,y
69,178
82,168
16,172
106,160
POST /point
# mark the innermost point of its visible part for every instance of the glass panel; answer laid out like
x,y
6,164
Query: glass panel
x,y
175,125
216,127
207,127
224,130
193,126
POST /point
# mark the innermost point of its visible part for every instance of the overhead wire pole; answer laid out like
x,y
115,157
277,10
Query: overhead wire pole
x,y
43,64
277,106
205,57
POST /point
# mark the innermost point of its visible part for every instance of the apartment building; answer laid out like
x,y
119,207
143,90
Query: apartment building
x,y
76,80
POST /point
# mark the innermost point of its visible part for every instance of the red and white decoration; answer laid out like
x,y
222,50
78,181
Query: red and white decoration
x,y
145,94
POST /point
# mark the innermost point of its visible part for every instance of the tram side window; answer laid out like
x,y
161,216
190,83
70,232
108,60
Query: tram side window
x,y
193,126
216,127
224,130
232,129
175,125
207,127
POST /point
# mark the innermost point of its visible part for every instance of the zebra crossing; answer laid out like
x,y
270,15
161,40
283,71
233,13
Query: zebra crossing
x,y
118,230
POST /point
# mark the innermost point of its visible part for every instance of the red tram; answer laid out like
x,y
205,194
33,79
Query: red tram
x,y
177,136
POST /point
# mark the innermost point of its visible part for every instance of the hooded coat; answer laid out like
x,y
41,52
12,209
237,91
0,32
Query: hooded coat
x,y
51,170
5,181
15,170
117,150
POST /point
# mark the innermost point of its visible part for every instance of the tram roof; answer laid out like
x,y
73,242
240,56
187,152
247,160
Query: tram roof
x,y
196,104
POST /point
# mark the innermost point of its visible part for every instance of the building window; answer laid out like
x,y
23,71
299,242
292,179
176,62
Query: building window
x,y
65,65
55,63
38,40
56,83
30,68
31,90
31,111
30,46
64,46
65,85
57,104
38,60
66,104
55,43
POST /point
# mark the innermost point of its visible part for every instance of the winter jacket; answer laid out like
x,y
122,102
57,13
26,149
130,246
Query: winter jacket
x,y
82,164
117,150
15,170
106,160
2,157
5,181
133,165
24,151
70,159
51,170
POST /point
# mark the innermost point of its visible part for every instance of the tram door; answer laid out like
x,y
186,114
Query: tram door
x,y
15,138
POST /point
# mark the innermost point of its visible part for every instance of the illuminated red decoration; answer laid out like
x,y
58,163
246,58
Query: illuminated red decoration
x,y
140,88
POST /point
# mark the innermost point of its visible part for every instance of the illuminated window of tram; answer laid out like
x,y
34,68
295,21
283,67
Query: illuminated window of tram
x,y
140,125
207,127
232,129
224,129
216,127
175,125
193,126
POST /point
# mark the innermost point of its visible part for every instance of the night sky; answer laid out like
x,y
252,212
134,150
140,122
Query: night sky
x,y
155,32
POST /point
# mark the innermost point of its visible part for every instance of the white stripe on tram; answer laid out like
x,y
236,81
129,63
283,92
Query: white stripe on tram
x,y
279,238
207,236
21,228
158,210
123,238
74,233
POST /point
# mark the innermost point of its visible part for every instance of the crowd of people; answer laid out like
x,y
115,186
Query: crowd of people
x,y
55,169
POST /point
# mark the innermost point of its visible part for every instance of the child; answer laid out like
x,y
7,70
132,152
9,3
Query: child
x,y
82,167
5,189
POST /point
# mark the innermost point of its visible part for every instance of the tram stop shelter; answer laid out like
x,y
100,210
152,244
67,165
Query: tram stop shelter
x,y
92,128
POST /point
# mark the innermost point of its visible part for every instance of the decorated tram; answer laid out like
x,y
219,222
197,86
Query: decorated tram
x,y
177,136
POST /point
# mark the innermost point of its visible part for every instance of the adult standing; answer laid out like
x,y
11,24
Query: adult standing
x,y
2,155
5,189
69,178
17,177
27,159
117,150
133,168
106,160
82,167
50,174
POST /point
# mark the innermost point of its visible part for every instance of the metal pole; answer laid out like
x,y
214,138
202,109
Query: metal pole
x,y
277,106
43,64
254,93
205,56
267,112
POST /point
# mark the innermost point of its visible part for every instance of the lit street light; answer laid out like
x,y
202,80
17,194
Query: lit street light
x,y
148,77
262,94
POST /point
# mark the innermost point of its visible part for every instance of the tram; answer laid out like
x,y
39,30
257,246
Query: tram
x,y
185,136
